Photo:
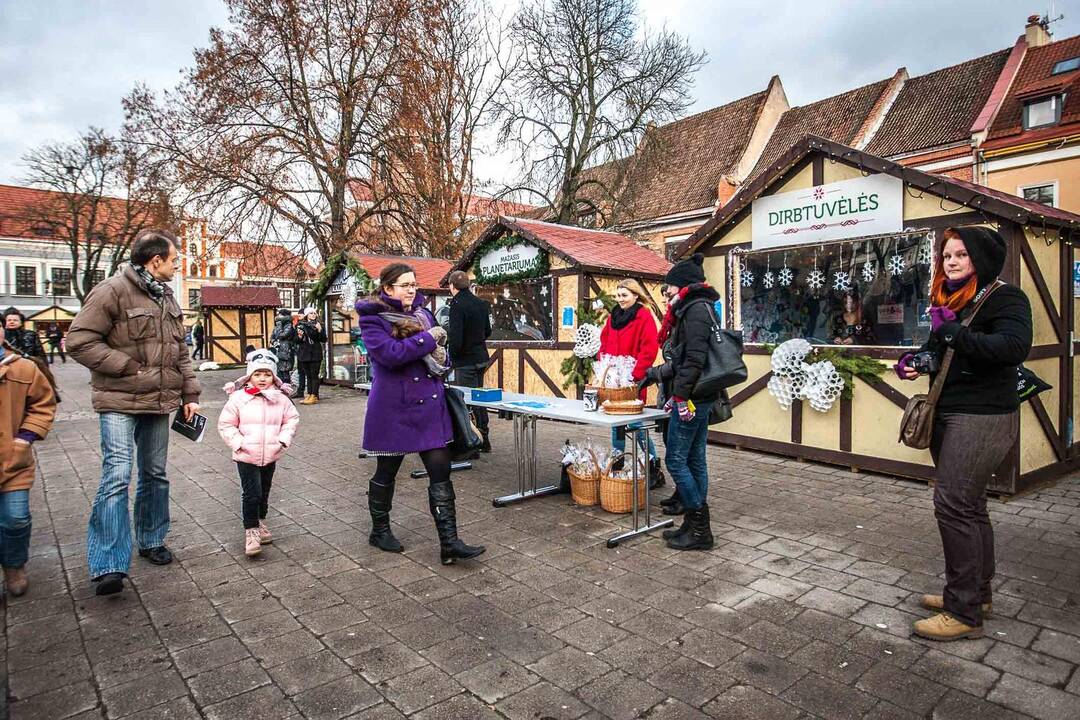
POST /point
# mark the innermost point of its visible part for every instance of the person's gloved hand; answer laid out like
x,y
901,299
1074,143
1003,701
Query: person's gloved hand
x,y
685,409
439,334
940,315
901,366
652,376
669,405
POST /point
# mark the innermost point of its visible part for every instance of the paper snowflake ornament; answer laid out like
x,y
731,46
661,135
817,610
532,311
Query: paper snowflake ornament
x,y
896,264
815,280
841,281
869,271
768,279
785,276
746,276
926,253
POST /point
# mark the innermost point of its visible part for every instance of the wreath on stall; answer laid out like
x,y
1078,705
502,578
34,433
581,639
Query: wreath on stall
x,y
543,266
359,282
577,368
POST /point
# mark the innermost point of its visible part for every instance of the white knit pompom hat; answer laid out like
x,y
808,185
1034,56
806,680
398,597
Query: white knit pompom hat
x,y
308,310
261,360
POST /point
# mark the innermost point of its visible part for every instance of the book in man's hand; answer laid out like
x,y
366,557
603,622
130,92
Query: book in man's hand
x,y
193,430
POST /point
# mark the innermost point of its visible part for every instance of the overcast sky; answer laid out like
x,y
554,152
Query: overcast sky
x,y
66,64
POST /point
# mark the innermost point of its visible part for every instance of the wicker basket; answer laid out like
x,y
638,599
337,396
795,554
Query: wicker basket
x,y
636,409
585,490
617,493
616,394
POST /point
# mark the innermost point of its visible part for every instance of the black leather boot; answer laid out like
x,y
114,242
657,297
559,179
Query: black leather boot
x,y
698,535
675,508
485,447
656,474
679,529
380,499
672,500
451,548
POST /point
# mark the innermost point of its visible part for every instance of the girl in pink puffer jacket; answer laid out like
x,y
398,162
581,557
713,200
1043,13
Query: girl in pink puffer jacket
x,y
258,423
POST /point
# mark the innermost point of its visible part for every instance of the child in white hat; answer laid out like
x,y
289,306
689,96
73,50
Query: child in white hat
x,y
258,423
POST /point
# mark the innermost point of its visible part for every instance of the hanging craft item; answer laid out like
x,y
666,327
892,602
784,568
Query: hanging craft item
x,y
821,382
816,279
785,276
869,270
841,279
769,278
587,340
823,385
926,250
746,276
896,262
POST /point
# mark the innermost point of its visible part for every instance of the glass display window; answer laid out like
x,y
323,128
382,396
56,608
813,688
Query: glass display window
x,y
868,292
520,310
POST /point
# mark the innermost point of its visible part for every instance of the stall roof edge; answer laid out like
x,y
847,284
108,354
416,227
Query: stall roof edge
x,y
1003,205
581,247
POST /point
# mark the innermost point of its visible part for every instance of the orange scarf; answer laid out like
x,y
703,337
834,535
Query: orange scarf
x,y
955,301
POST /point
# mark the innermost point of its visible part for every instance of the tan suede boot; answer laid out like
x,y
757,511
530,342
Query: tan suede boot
x,y
945,627
16,581
937,603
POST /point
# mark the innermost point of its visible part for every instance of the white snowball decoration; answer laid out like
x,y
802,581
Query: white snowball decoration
x,y
815,280
780,388
823,385
896,264
587,340
787,357
793,379
841,281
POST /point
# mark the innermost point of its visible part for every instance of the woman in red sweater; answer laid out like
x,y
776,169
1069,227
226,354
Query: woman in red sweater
x,y
631,330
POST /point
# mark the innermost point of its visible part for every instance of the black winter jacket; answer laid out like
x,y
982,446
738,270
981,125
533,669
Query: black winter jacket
x,y
470,327
690,342
25,341
283,341
982,376
310,347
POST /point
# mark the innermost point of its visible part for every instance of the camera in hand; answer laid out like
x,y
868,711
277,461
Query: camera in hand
x,y
924,363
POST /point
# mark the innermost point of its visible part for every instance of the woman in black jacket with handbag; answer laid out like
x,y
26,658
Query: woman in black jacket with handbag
x,y
976,421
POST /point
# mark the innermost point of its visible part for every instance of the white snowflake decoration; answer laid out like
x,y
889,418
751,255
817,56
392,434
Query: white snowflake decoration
x,y
896,264
841,281
746,276
768,279
869,271
587,340
815,280
785,276
926,253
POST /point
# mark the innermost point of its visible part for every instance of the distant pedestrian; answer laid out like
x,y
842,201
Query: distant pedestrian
x,y
198,338
27,410
19,337
976,422
258,424
130,333
467,335
55,337
283,343
309,354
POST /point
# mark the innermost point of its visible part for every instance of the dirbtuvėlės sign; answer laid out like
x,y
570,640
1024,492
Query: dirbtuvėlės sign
x,y
871,205
511,260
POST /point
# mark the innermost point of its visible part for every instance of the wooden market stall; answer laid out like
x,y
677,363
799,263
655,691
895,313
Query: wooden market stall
x,y
829,229
52,315
237,316
536,275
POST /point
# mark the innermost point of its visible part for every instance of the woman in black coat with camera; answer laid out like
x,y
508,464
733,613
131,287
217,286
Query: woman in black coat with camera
x,y
310,337
976,422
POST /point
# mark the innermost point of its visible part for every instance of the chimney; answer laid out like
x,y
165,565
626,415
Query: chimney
x,y
1037,32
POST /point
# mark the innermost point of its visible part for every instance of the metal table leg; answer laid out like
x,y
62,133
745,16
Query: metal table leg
x,y
640,436
525,449
454,467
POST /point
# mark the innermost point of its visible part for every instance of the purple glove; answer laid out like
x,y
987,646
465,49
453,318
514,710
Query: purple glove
x,y
902,364
939,316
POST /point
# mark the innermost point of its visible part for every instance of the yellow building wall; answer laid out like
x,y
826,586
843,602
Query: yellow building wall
x,y
1065,172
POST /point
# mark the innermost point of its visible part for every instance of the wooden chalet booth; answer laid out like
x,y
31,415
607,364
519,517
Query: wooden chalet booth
x,y
350,275
535,275
236,317
52,315
829,229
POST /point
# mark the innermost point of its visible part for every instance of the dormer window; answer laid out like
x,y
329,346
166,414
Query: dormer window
x,y
1066,66
1042,112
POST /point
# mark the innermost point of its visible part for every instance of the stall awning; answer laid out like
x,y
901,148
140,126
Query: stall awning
x,y
241,296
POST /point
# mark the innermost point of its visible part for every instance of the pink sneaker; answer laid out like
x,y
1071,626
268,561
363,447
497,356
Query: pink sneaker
x,y
252,546
264,534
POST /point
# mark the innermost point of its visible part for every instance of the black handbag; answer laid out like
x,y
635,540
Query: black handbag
x,y
724,364
1028,384
467,439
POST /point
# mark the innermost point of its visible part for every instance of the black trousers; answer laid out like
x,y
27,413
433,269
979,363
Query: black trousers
x,y
967,449
53,349
309,377
472,376
255,482
436,462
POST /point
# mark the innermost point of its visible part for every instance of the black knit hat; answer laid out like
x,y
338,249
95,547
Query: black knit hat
x,y
686,272
987,250
284,312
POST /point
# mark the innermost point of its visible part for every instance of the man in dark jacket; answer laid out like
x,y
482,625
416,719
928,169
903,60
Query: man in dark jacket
x,y
25,341
198,339
55,336
130,334
685,335
470,327
309,355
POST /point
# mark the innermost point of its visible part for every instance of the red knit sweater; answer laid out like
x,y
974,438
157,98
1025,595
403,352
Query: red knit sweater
x,y
638,339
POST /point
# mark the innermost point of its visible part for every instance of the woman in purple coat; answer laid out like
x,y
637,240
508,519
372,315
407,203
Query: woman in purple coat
x,y
406,410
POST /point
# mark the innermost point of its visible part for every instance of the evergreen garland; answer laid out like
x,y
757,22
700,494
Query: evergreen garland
x,y
330,271
542,264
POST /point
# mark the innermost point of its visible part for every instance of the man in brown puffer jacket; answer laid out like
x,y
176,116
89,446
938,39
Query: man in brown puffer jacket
x,y
130,334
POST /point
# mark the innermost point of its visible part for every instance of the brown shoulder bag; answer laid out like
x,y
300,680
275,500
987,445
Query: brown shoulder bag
x,y
917,424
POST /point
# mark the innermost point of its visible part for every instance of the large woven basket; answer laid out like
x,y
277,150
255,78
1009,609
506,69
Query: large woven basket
x,y
585,489
608,393
617,493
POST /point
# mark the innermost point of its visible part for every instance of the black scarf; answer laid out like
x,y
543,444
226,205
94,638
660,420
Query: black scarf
x,y
154,287
621,318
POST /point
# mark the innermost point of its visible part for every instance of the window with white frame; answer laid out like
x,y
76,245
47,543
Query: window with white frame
x,y
25,280
1045,193
286,295
61,281
1042,112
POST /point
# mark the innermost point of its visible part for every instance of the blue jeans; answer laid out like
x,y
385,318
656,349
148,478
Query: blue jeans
x,y
126,439
14,528
685,460
618,439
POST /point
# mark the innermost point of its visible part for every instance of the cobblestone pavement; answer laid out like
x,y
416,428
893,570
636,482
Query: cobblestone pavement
x,y
802,610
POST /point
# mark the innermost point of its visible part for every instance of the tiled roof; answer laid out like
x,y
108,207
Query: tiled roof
x,y
22,209
239,296
429,271
938,108
1034,75
837,118
266,260
693,155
